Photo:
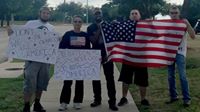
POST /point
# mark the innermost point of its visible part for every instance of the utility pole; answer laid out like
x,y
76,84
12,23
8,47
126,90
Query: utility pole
x,y
87,13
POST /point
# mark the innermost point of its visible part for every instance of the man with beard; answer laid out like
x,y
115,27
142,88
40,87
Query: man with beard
x,y
36,74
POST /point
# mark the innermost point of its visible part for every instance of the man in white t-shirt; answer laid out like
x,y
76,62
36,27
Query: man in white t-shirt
x,y
174,13
36,74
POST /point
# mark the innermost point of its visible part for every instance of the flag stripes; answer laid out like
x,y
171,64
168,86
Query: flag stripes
x,y
155,43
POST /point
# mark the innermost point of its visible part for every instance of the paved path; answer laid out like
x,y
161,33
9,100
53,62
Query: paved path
x,y
8,69
50,99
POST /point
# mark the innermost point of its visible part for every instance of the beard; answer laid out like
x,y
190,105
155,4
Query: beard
x,y
98,19
44,20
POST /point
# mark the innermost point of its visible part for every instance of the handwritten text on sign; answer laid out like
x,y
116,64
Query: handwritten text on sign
x,y
77,64
33,45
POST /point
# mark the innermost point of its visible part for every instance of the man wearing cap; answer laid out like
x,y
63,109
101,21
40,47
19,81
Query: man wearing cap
x,y
95,36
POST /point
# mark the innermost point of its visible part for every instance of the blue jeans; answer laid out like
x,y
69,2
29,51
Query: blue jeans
x,y
180,61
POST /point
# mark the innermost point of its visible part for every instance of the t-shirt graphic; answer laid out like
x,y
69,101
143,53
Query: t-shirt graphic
x,y
43,28
77,41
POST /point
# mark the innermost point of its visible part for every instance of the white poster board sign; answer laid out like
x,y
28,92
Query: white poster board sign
x,y
33,44
72,64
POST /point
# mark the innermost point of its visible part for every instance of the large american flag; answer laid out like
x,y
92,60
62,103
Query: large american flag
x,y
148,43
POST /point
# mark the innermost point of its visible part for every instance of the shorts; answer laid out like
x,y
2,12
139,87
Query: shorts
x,y
36,76
140,77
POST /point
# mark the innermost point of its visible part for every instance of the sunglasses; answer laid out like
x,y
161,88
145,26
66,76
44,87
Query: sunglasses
x,y
77,21
134,13
97,13
173,12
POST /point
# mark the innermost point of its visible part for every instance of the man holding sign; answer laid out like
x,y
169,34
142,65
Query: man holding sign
x,y
36,74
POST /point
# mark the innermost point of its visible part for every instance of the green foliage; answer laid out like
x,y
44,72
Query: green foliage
x,y
158,92
11,95
191,11
148,8
20,9
65,12
110,11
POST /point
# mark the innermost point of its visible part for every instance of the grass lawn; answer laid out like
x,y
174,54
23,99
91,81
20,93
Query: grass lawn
x,y
11,93
11,97
158,85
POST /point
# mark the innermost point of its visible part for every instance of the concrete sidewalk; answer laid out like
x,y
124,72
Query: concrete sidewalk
x,y
50,99
11,70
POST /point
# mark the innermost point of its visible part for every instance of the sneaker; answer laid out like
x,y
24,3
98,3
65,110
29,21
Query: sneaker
x,y
171,101
63,107
38,108
145,102
95,104
77,105
113,107
123,101
186,103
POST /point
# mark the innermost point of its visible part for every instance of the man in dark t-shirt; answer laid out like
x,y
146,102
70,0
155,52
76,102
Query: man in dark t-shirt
x,y
96,39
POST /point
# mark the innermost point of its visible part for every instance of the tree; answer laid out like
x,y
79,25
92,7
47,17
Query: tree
x,y
3,10
148,8
14,8
110,11
9,9
65,11
190,10
185,7
35,7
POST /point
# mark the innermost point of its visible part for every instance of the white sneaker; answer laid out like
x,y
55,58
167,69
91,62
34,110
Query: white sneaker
x,y
77,105
63,107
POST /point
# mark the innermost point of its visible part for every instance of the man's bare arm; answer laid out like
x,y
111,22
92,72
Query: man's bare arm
x,y
190,30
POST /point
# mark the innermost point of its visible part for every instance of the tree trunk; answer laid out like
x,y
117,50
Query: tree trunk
x,y
185,7
12,18
2,22
8,20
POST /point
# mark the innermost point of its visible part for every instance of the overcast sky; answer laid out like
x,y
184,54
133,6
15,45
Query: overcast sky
x,y
96,3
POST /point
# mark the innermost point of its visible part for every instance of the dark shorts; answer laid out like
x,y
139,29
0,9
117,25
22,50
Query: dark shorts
x,y
140,75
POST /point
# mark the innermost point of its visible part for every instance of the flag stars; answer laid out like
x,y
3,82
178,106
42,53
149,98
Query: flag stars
x,y
123,31
132,34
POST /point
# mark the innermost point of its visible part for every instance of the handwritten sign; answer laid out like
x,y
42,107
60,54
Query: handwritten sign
x,y
33,44
77,64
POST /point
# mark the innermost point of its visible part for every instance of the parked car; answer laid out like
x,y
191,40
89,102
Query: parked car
x,y
197,27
